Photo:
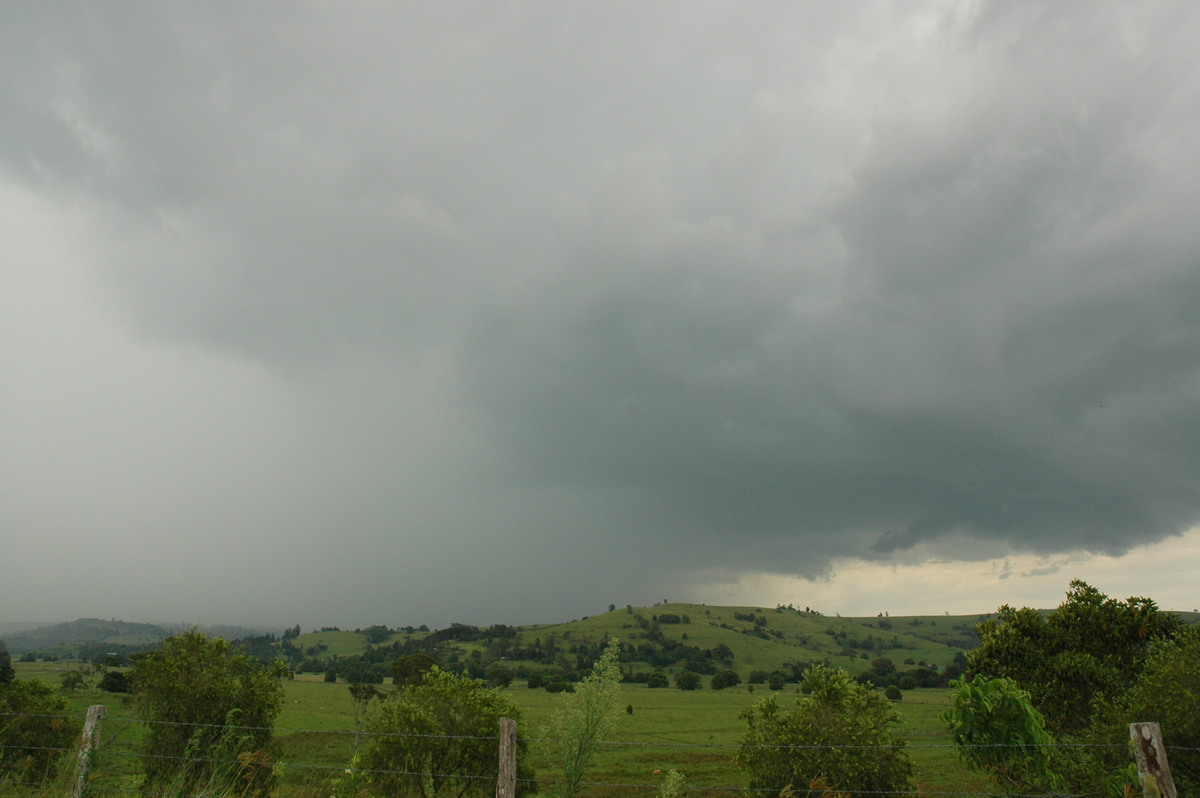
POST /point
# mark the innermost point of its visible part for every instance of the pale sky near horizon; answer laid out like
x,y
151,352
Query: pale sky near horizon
x,y
506,311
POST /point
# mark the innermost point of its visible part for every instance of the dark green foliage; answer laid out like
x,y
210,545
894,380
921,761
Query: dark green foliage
x,y
411,668
499,675
998,731
7,674
892,693
723,679
203,700
1166,692
429,737
376,634
686,680
842,734
657,679
115,682
1083,653
35,733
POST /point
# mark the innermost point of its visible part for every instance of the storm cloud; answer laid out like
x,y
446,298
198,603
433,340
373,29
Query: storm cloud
x,y
383,311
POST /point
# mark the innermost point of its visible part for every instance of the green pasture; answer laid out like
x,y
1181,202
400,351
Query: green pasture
x,y
695,732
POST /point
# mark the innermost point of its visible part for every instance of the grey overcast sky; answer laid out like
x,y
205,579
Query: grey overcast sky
x,y
353,313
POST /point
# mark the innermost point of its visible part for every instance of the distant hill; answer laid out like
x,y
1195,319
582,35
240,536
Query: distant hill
x,y
68,639
84,630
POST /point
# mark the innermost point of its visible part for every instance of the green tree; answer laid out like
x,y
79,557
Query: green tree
x,y
657,679
210,710
999,731
1081,654
438,738
34,730
842,734
1168,692
686,680
584,718
411,668
724,678
7,674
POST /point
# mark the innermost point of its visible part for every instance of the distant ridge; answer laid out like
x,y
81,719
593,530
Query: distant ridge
x,y
111,632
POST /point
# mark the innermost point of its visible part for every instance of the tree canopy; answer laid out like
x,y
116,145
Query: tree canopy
x,y
1088,650
206,703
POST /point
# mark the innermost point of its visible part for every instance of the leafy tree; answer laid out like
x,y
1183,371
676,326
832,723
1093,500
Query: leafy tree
x,y
115,682
34,732
499,675
439,738
411,668
722,679
361,696
584,718
75,679
203,701
841,734
1084,652
686,680
7,674
377,633
1168,692
998,731
657,679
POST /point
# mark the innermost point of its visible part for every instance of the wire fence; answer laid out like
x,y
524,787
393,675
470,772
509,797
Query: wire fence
x,y
311,762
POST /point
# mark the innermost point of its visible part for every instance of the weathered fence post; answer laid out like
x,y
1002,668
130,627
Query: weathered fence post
x,y
506,782
1153,770
87,744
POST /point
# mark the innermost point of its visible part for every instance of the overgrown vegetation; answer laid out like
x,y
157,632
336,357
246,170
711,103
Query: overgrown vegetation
x,y
438,737
206,704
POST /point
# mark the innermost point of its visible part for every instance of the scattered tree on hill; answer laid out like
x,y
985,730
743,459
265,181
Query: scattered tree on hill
x,y
210,710
438,737
584,719
657,679
686,680
842,733
410,669
723,679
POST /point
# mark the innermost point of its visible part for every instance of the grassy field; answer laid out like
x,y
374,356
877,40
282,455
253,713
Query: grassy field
x,y
694,732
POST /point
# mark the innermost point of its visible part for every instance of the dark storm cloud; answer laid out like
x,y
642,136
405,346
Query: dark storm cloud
x,y
748,286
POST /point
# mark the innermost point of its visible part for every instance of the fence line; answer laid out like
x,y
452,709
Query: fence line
x,y
110,753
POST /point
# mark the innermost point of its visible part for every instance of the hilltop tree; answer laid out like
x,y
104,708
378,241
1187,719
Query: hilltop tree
x,y
210,709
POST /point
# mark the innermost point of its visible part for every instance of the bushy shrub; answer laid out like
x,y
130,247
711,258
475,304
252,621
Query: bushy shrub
x,y
35,732
842,733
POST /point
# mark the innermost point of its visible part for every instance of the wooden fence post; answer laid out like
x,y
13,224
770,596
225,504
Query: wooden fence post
x,y
1153,770
506,782
87,745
